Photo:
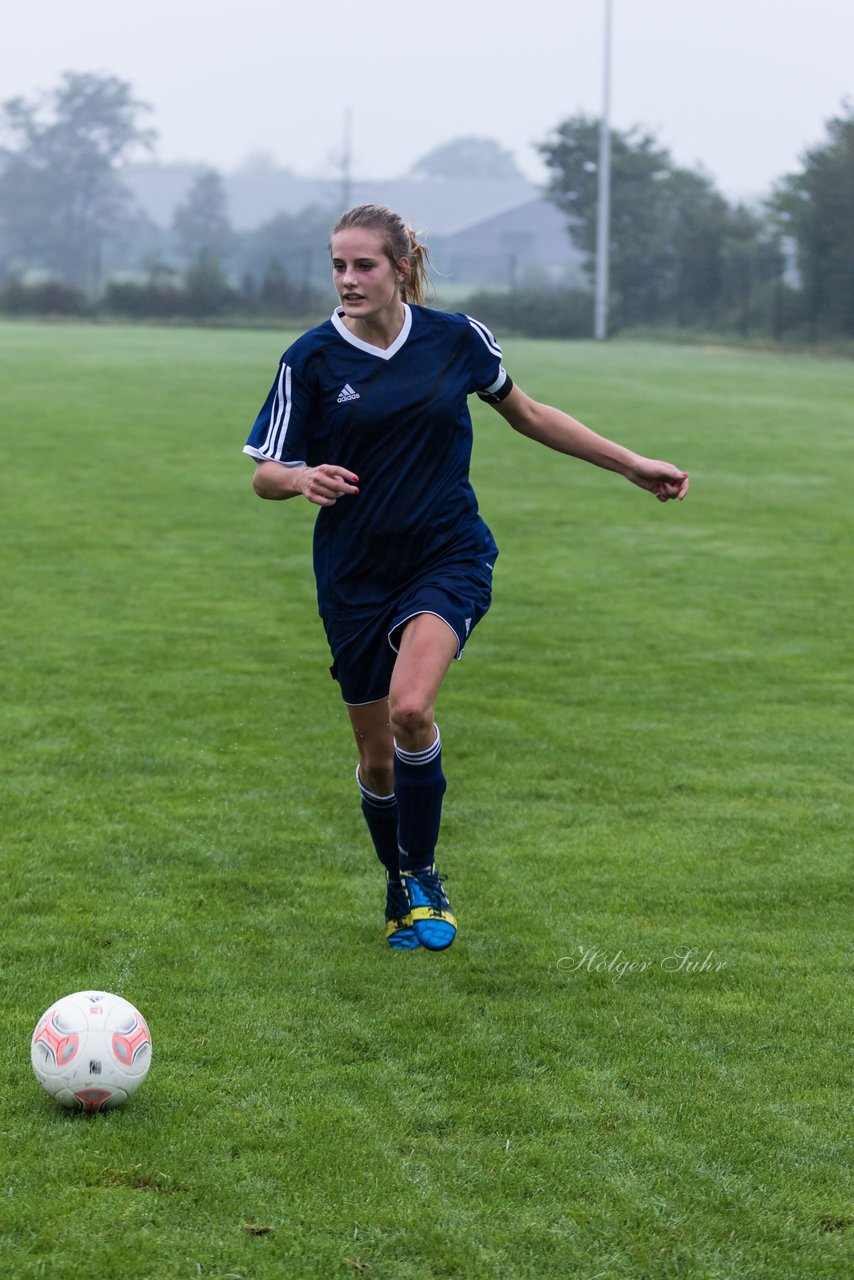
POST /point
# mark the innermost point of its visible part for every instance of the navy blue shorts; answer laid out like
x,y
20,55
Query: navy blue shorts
x,y
364,648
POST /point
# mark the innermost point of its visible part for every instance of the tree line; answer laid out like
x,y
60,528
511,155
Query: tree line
x,y
681,254
68,224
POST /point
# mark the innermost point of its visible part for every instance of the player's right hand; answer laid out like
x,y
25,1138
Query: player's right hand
x,y
325,484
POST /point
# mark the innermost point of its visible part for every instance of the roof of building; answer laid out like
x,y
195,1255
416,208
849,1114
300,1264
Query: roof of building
x,y
438,206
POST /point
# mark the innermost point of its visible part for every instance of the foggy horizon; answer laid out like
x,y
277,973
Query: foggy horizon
x,y
739,91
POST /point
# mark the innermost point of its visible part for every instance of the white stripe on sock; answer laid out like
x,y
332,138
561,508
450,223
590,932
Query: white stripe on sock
x,y
372,795
420,757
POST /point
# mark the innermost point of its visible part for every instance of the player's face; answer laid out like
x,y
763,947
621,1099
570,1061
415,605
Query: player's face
x,y
367,281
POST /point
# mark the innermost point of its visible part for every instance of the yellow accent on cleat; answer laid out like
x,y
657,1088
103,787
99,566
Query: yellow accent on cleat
x,y
392,926
432,913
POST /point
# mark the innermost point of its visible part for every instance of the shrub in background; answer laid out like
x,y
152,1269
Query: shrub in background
x,y
43,298
535,313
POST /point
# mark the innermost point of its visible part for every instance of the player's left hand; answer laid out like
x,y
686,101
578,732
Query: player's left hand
x,y
660,478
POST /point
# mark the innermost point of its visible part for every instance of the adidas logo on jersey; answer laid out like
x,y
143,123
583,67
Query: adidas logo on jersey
x,y
347,393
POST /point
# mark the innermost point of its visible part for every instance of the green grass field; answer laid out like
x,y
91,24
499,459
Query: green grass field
x,y
635,1062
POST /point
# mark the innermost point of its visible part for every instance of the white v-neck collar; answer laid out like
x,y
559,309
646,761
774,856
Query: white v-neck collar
x,y
384,353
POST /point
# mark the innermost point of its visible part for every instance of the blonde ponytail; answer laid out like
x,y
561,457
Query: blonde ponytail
x,y
418,282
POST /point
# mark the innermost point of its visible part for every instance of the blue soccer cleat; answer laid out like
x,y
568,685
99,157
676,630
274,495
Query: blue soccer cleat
x,y
399,933
433,920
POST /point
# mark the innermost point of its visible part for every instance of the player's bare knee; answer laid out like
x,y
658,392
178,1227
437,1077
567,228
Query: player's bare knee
x,y
410,718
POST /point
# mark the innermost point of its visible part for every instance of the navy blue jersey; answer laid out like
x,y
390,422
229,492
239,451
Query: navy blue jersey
x,y
399,419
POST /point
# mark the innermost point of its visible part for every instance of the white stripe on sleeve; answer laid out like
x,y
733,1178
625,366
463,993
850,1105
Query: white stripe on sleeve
x,y
280,415
485,335
497,384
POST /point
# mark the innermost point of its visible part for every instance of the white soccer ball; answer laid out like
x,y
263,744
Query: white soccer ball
x,y
91,1050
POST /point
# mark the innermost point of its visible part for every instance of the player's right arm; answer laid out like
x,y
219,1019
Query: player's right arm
x,y
281,438
323,485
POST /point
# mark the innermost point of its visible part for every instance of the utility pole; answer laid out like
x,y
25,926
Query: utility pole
x,y
603,209
347,162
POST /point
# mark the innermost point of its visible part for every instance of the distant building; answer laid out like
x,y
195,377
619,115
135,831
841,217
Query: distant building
x,y
481,232
527,243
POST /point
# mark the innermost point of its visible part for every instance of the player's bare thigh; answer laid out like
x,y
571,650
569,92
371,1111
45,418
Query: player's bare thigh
x,y
428,646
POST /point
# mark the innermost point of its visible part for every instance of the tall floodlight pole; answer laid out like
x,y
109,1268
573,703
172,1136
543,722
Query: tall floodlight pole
x,y
603,207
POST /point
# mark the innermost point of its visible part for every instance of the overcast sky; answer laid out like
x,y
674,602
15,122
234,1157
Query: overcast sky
x,y
739,87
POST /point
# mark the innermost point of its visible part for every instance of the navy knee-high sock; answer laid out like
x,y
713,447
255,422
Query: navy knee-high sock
x,y
381,816
419,785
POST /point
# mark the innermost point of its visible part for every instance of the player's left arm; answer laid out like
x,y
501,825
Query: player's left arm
x,y
557,430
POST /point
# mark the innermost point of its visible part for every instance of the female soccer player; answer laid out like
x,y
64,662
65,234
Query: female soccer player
x,y
368,419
